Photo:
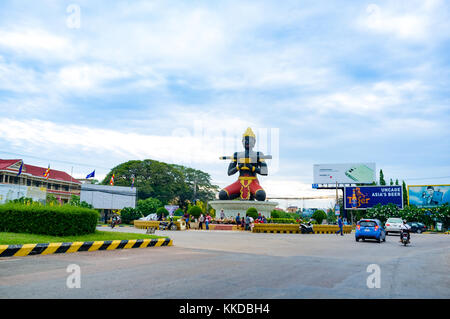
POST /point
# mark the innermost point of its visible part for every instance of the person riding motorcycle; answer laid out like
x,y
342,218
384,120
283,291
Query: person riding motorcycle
x,y
404,228
115,220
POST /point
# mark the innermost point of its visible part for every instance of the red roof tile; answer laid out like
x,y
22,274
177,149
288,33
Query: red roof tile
x,y
39,171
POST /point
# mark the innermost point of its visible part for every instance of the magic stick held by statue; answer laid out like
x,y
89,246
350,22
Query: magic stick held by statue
x,y
248,163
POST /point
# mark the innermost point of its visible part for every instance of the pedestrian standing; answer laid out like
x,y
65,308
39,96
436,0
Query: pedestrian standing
x,y
238,219
341,226
247,222
207,221
201,220
186,219
222,214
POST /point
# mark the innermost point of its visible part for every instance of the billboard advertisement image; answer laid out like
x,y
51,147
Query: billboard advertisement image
x,y
108,197
428,195
364,197
360,173
12,192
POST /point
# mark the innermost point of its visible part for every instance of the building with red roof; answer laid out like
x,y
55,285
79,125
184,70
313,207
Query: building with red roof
x,y
59,183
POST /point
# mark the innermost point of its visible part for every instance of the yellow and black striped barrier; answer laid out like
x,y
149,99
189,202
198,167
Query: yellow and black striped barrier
x,y
58,248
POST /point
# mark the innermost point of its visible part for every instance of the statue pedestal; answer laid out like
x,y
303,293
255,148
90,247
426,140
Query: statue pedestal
x,y
232,207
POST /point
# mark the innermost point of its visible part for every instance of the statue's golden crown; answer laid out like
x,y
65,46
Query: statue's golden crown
x,y
249,132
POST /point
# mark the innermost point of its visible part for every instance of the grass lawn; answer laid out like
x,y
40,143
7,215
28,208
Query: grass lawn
x,y
21,238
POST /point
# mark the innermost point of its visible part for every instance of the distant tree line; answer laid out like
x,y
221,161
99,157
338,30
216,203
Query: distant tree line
x,y
168,183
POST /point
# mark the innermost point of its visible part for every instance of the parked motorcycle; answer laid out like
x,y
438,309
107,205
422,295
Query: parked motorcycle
x,y
306,228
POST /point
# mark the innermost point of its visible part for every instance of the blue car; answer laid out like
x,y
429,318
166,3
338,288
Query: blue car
x,y
370,229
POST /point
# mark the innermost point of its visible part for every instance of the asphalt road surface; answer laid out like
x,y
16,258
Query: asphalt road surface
x,y
225,264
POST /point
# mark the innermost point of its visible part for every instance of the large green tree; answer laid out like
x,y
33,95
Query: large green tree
x,y
169,183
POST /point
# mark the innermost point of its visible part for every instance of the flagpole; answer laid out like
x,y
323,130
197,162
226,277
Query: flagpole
x,y
70,185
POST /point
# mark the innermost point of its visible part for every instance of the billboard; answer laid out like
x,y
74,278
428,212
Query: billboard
x,y
428,195
360,173
12,191
108,197
364,197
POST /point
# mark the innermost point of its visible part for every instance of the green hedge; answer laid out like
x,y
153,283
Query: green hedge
x,y
428,216
281,221
64,220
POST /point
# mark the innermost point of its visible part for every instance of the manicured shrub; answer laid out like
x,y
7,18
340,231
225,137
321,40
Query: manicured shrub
x,y
63,220
162,211
252,212
178,212
195,211
148,206
319,215
128,214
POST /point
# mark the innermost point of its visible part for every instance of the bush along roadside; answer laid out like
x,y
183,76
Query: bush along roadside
x,y
64,220
427,216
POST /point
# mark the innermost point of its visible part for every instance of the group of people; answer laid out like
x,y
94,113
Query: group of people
x,y
245,222
248,222
202,220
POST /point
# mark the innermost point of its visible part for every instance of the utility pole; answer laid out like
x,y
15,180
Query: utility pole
x,y
195,189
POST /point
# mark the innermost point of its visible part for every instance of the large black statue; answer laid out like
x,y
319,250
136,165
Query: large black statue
x,y
248,163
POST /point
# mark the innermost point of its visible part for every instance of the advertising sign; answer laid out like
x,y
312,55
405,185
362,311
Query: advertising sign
x,y
171,209
12,191
428,195
364,197
361,173
337,210
108,197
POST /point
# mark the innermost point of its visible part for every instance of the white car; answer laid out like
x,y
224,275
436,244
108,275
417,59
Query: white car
x,y
393,225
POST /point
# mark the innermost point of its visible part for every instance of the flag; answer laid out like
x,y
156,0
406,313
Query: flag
x,y
111,182
20,169
132,182
91,175
47,172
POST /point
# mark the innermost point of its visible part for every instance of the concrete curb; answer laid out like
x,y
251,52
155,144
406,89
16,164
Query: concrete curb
x,y
114,226
58,248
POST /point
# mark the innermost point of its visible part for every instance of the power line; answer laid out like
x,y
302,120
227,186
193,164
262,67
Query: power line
x,y
53,160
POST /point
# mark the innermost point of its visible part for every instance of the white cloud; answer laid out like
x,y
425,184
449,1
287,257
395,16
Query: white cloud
x,y
373,99
416,21
200,145
88,76
38,43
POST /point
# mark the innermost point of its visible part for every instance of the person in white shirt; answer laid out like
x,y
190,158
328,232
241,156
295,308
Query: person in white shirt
x,y
404,227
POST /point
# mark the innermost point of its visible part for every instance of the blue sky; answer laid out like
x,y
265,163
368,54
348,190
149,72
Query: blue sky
x,y
337,82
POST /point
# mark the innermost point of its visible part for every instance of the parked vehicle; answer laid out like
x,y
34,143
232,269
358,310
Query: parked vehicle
x,y
370,229
393,225
417,227
167,225
306,228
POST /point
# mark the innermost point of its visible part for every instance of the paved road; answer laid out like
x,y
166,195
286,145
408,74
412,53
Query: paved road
x,y
223,264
